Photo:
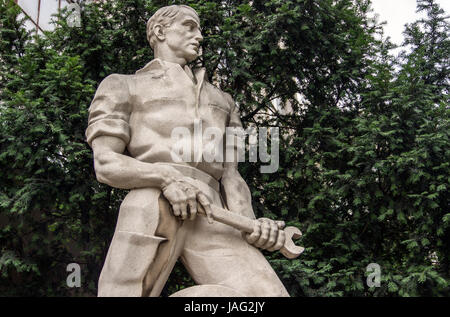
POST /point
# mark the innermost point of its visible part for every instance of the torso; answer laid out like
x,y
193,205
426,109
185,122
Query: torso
x,y
162,100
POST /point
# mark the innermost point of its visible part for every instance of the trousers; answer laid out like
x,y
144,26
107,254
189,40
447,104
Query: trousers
x,y
148,240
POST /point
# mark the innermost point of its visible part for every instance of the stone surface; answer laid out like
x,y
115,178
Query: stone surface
x,y
130,129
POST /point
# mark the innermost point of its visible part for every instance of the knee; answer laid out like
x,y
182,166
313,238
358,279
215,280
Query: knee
x,y
264,285
277,290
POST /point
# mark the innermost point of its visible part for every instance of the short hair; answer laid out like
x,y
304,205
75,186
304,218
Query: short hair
x,y
165,17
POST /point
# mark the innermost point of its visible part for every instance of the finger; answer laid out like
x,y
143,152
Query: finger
x,y
252,237
209,213
281,224
204,201
190,193
192,208
176,210
183,208
192,202
265,229
280,241
273,235
180,197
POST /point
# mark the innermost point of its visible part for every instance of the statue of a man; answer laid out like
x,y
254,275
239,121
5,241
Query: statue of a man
x,y
131,120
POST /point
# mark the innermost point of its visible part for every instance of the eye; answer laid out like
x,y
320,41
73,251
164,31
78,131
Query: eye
x,y
190,25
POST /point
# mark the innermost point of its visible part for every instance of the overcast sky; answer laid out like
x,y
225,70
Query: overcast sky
x,y
399,12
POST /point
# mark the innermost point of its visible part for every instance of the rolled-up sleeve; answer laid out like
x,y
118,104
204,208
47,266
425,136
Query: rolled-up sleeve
x,y
109,112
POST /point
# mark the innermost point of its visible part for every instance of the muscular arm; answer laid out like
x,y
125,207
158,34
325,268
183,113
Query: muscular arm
x,y
121,171
236,192
108,133
234,188
266,234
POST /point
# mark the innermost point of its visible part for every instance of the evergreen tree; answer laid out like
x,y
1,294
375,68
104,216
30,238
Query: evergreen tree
x,y
364,142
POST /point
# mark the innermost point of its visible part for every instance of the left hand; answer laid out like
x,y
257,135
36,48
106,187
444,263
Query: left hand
x,y
267,234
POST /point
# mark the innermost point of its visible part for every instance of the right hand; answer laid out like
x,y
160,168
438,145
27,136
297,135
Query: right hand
x,y
184,199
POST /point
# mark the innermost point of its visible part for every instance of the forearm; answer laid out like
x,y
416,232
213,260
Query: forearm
x,y
236,193
121,171
124,172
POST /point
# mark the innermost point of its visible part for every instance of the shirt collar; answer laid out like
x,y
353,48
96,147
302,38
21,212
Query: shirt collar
x,y
158,64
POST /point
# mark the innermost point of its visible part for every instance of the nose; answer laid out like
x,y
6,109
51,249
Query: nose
x,y
198,36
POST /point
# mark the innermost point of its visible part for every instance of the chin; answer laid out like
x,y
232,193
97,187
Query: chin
x,y
191,57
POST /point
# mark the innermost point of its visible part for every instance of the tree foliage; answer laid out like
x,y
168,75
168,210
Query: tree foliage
x,y
364,148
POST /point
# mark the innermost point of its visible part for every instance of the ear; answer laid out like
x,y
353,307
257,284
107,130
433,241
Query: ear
x,y
158,30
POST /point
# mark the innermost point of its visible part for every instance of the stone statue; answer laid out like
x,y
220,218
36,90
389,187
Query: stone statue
x,y
131,120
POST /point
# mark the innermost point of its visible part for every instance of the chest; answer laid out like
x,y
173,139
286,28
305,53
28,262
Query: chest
x,y
166,100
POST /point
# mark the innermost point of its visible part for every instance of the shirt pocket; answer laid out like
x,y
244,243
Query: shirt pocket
x,y
219,114
220,107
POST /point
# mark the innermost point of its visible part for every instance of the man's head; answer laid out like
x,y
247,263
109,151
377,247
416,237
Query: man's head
x,y
175,30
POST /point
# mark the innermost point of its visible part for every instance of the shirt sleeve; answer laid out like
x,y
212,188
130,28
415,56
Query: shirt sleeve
x,y
235,135
109,112
235,115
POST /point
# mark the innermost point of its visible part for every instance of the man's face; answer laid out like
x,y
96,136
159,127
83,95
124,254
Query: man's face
x,y
183,37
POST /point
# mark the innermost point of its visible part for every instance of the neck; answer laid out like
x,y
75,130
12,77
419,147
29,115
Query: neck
x,y
167,55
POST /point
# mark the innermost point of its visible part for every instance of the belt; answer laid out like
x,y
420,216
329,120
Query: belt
x,y
195,173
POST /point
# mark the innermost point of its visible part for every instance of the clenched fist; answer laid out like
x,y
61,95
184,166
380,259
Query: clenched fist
x,y
267,234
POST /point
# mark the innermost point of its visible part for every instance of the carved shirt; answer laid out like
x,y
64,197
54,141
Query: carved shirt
x,y
143,109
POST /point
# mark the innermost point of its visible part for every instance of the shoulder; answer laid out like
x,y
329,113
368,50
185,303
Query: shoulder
x,y
233,106
226,97
117,77
112,90
115,82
